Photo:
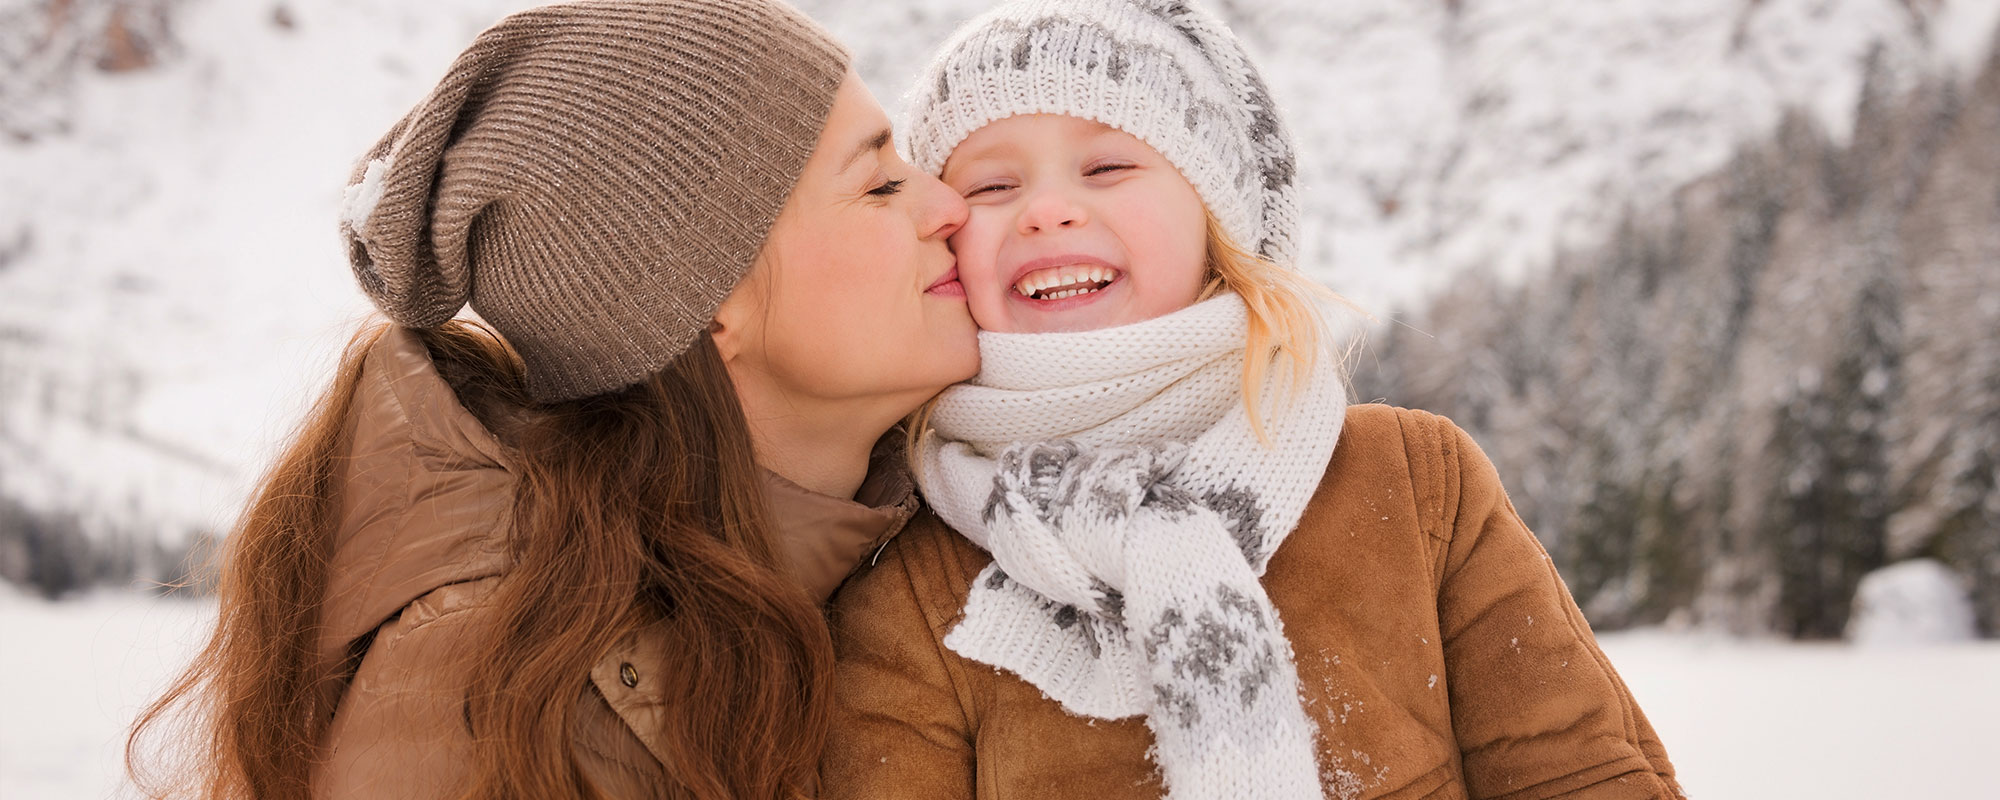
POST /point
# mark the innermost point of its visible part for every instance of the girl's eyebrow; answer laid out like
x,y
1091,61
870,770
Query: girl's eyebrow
x,y
1003,148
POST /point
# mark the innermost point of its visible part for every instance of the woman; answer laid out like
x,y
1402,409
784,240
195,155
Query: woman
x,y
581,550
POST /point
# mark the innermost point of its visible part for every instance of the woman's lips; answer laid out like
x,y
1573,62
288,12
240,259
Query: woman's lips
x,y
947,286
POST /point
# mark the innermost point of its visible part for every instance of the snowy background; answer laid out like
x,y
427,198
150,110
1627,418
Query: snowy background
x,y
1483,172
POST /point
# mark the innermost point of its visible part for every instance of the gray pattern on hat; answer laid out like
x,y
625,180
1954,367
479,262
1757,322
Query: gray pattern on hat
x,y
1164,72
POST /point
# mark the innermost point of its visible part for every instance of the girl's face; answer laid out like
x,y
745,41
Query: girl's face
x,y
1075,225
855,298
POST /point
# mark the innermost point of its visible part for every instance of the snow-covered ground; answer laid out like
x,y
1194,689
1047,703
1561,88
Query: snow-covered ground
x,y
1772,720
73,674
1743,720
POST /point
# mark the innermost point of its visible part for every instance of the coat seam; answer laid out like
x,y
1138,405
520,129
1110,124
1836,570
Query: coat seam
x,y
441,615
1579,628
1531,792
635,769
406,500
960,690
1422,456
1627,707
1572,617
1438,778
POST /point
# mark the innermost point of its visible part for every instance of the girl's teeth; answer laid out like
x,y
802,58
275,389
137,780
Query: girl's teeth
x,y
1070,293
1087,278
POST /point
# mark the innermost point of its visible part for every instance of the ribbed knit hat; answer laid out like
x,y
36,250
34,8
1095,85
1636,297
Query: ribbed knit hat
x,y
594,177
1164,72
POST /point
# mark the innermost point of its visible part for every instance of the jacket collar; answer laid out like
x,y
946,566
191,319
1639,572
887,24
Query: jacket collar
x,y
426,500
821,539
426,493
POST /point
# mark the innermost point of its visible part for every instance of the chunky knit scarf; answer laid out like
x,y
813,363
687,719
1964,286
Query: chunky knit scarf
x,y
1130,509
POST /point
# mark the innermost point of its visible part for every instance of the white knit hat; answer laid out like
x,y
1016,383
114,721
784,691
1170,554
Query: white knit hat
x,y
1170,75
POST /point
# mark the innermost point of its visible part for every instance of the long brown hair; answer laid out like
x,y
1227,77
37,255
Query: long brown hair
x,y
636,508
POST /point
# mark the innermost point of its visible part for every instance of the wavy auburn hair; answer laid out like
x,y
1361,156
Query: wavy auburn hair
x,y
640,507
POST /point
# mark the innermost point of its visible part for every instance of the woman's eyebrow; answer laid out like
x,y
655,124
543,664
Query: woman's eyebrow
x,y
874,143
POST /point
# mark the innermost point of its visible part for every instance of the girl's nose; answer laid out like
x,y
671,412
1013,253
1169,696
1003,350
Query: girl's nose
x,y
1052,209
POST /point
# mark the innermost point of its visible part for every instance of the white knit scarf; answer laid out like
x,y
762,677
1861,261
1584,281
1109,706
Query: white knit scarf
x,y
1130,509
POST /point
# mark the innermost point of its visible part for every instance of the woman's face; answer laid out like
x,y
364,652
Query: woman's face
x,y
855,297
1075,225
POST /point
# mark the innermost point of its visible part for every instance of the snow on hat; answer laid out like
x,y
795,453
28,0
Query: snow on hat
x,y
594,177
1171,75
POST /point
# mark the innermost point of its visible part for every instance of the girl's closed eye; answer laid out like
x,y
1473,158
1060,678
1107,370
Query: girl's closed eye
x,y
989,187
1106,168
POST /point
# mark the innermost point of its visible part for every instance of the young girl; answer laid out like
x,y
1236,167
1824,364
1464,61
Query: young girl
x,y
1166,555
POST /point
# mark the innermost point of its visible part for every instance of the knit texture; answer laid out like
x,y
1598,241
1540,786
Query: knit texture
x,y
1161,70
594,177
1130,509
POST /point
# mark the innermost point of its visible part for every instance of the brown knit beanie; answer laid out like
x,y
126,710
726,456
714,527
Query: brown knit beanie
x,y
594,177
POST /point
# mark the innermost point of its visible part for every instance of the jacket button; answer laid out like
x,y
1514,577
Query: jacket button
x,y
628,676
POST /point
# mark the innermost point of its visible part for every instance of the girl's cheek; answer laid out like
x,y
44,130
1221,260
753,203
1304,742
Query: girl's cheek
x,y
985,291
976,250
962,239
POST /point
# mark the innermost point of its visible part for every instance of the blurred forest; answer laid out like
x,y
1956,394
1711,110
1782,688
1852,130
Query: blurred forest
x,y
1755,390
50,44
45,48
1755,394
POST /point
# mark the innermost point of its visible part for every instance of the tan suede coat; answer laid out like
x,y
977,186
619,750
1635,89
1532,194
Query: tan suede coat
x,y
1437,648
426,510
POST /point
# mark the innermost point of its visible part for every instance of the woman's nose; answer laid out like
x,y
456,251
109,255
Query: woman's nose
x,y
1050,209
944,211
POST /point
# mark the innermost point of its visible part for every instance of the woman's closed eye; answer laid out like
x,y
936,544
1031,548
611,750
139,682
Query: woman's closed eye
x,y
887,188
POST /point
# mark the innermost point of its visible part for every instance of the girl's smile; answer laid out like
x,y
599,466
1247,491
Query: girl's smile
x,y
1074,225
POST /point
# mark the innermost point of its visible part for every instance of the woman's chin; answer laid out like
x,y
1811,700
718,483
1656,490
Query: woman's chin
x,y
954,356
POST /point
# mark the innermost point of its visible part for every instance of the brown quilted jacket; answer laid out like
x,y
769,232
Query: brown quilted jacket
x,y
1436,646
427,494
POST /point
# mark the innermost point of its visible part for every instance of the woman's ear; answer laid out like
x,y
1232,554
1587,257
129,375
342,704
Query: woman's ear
x,y
726,329
734,327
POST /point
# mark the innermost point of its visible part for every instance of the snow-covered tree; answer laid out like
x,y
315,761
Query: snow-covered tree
x,y
1750,396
